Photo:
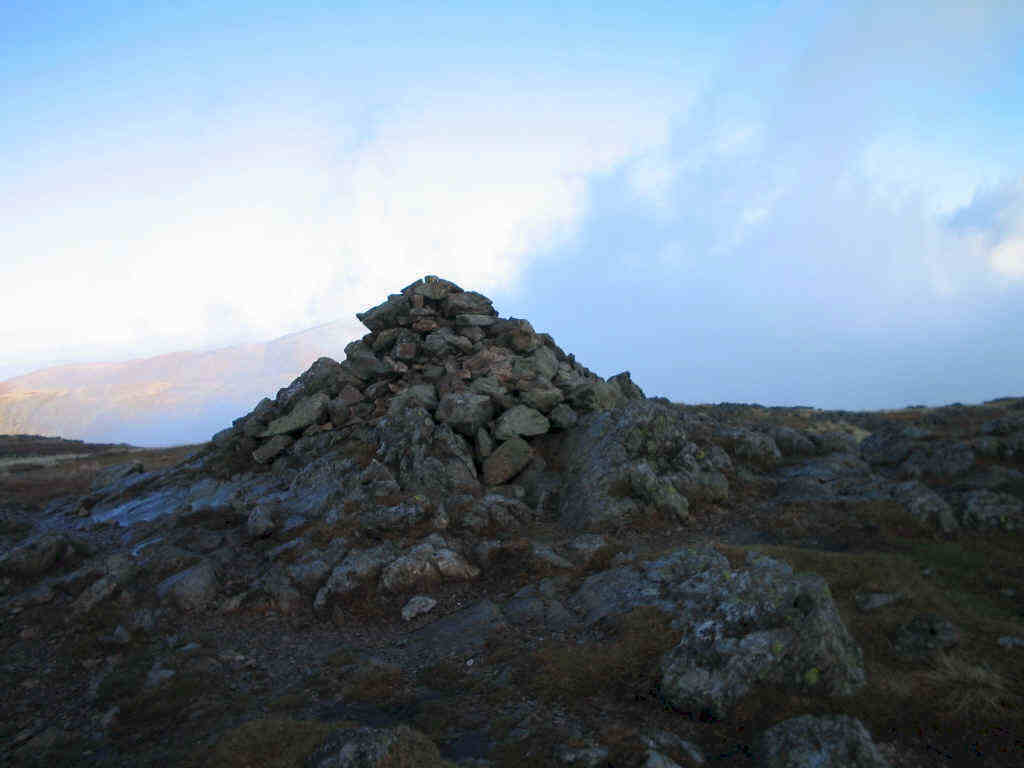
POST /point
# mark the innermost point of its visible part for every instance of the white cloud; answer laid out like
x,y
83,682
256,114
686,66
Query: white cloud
x,y
1007,258
262,226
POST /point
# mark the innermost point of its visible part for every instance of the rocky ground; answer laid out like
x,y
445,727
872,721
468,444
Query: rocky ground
x,y
459,546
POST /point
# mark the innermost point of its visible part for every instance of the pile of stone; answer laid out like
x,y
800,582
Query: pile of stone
x,y
495,382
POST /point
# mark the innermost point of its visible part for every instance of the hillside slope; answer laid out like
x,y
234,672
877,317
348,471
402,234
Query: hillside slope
x,y
182,397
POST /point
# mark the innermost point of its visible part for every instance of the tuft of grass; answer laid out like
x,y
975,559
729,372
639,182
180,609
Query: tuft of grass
x,y
374,683
627,660
968,690
271,742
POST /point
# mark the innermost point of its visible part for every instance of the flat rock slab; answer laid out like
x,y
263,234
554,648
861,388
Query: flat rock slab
x,y
464,631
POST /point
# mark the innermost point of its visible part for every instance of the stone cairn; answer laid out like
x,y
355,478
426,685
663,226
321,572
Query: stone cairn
x,y
494,381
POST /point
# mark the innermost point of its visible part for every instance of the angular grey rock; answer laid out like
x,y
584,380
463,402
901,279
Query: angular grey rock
x,y
192,589
465,412
387,314
324,375
543,398
307,411
360,360
417,606
520,421
271,449
626,385
422,395
367,747
468,303
474,320
763,625
490,386
827,741
432,287
425,564
563,417
507,461
484,443
35,556
596,396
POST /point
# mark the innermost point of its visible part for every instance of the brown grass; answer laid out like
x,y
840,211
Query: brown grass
x,y
627,660
47,481
270,742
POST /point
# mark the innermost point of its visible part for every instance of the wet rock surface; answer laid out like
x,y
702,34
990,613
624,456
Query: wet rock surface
x,y
459,546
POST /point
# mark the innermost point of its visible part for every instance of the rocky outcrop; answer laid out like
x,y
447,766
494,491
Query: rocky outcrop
x,y
762,625
829,741
624,464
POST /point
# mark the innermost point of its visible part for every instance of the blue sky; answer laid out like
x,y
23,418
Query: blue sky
x,y
771,202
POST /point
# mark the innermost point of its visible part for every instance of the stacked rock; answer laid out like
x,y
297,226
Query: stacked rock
x,y
494,381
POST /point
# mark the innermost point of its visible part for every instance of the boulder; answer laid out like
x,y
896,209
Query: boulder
x,y
826,741
363,363
271,449
422,395
468,303
764,626
595,396
391,313
507,460
192,589
626,385
520,421
417,606
309,410
465,412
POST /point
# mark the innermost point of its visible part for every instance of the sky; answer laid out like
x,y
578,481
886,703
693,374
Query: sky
x,y
790,203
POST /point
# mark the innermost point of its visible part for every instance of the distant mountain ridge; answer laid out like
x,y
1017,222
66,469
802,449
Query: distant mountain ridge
x,y
180,397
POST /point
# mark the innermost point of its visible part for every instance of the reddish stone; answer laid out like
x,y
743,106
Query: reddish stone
x,y
425,325
350,395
